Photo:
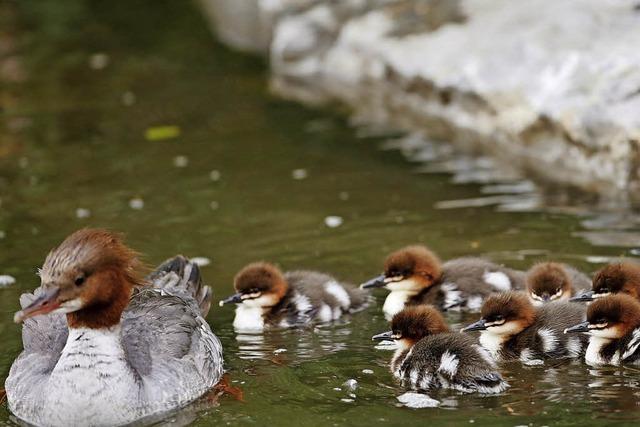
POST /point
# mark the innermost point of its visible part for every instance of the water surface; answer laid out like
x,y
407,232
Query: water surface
x,y
251,177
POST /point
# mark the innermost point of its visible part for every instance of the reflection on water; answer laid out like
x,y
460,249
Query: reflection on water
x,y
133,119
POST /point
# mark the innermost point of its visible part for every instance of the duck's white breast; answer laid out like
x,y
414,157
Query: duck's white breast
x,y
91,384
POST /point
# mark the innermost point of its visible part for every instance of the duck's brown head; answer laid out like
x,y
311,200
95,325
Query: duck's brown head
x,y
90,277
414,323
258,285
504,314
410,269
610,317
548,281
616,278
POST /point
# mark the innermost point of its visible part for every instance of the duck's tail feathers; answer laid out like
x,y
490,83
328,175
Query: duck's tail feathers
x,y
180,276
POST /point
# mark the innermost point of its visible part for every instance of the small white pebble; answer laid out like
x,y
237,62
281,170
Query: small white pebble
x,y
136,203
333,221
417,400
83,213
128,99
352,395
337,389
279,350
98,61
347,400
6,280
367,371
200,261
180,161
214,205
215,175
351,384
299,174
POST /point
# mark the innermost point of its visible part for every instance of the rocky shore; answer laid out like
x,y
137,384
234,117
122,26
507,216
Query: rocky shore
x,y
551,88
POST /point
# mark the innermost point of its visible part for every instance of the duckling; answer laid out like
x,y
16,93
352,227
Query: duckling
x,y
551,281
103,346
622,277
430,356
415,275
513,329
613,326
266,297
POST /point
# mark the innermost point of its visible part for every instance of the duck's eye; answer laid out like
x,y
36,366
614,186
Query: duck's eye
x,y
79,280
498,318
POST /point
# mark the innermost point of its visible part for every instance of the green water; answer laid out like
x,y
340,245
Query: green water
x,y
73,137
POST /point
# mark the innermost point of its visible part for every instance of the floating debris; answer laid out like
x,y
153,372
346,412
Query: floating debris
x,y
136,203
367,371
200,261
159,133
128,99
180,161
299,174
347,400
279,350
333,221
337,389
98,61
417,400
215,175
82,213
351,384
6,280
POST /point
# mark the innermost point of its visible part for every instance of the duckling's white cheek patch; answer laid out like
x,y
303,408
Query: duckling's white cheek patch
x,y
498,280
404,285
608,333
325,314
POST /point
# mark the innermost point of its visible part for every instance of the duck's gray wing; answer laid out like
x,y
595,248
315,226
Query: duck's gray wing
x,y
168,343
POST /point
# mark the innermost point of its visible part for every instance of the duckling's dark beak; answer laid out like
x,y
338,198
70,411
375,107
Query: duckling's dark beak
x,y
376,282
385,336
44,303
583,297
480,325
580,327
233,299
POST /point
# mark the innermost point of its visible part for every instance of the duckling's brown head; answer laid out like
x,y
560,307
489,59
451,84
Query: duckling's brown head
x,y
610,317
258,285
90,277
409,269
504,314
623,277
548,281
414,323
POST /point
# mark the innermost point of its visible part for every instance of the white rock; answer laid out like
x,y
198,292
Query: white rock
x,y
181,161
299,174
6,280
82,213
136,203
367,371
351,384
333,221
417,400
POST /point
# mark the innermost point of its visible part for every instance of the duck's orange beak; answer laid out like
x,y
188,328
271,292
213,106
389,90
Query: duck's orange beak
x,y
45,303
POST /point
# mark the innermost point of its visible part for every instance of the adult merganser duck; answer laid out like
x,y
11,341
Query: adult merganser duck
x,y
415,275
429,356
513,329
268,298
113,348
613,323
623,277
552,281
